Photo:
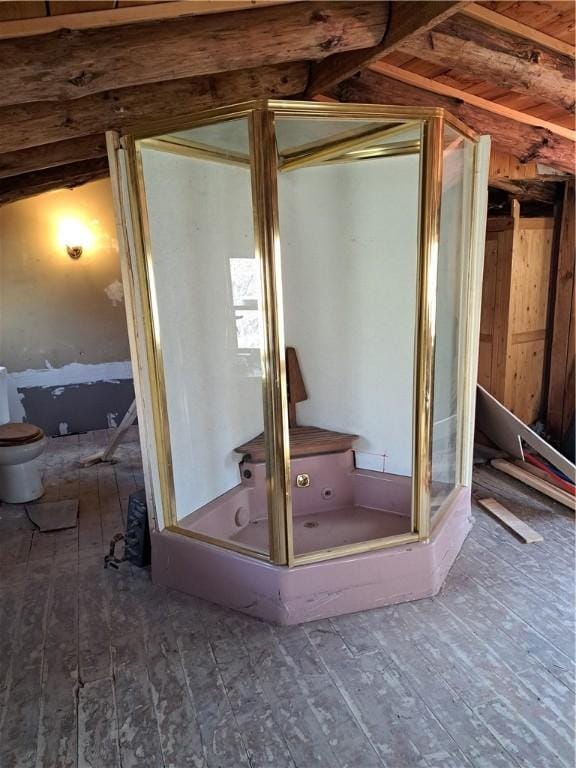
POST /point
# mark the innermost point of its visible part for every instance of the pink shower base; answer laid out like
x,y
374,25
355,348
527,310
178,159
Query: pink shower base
x,y
342,505
362,506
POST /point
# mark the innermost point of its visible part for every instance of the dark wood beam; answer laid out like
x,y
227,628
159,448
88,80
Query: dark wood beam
x,y
63,176
526,142
528,190
405,19
508,61
51,155
29,125
74,63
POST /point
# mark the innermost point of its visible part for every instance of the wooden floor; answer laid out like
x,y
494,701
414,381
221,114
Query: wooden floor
x,y
100,668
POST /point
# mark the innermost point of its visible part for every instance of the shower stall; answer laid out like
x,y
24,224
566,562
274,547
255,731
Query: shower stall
x,y
302,284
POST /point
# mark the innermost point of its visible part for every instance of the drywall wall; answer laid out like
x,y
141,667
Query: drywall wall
x,y
201,233
63,335
349,253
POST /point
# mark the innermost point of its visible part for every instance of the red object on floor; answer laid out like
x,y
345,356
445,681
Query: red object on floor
x,y
559,482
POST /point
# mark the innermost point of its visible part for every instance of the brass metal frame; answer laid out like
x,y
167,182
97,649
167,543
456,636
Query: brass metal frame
x,y
267,246
264,170
430,199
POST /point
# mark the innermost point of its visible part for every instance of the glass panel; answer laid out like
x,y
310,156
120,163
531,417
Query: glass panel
x,y
230,136
451,311
349,236
207,284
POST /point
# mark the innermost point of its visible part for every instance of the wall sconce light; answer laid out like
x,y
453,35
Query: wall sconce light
x,y
74,236
74,251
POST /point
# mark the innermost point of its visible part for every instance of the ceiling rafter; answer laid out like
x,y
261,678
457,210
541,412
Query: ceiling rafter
x,y
402,24
527,142
70,64
507,60
30,125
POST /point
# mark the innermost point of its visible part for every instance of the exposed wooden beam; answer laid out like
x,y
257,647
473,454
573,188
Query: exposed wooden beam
x,y
51,155
29,184
29,125
527,190
406,19
523,141
42,25
68,65
506,24
508,61
411,78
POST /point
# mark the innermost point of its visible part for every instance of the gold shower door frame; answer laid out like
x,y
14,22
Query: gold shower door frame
x,y
138,270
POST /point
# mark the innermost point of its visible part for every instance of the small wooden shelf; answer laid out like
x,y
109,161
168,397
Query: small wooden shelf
x,y
304,441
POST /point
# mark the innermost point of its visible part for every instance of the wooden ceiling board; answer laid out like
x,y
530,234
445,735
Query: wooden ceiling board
x,y
61,7
554,18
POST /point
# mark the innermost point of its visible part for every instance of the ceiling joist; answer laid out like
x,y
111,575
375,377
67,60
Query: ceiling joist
x,y
50,155
71,64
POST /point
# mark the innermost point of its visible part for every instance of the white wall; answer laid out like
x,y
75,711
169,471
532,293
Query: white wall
x,y
200,216
349,253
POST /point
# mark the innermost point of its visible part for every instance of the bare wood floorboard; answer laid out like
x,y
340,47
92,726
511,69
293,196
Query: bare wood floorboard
x,y
102,669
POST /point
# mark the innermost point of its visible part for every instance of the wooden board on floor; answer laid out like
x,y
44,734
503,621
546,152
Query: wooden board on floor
x,y
517,526
535,482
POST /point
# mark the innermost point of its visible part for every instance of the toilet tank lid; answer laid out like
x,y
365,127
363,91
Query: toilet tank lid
x,y
16,433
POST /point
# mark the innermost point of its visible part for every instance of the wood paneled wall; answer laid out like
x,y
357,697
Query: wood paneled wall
x,y
514,323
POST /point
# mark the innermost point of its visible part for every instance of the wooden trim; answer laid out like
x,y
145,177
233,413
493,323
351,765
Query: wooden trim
x,y
411,78
402,23
42,25
506,24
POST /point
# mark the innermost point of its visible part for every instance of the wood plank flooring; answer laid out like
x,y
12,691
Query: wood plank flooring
x,y
100,668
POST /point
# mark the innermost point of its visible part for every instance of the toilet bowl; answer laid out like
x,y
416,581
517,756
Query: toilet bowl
x,y
20,476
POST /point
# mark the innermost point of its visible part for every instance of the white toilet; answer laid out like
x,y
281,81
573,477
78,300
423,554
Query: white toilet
x,y
20,448
20,475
